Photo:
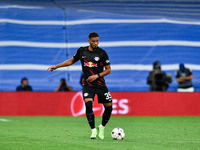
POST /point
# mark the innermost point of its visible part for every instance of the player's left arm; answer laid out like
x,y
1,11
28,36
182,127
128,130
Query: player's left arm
x,y
106,71
188,78
101,74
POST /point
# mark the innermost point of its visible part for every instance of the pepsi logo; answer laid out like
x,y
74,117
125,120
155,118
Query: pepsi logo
x,y
77,106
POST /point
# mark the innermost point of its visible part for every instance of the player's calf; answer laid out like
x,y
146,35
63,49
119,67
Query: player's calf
x,y
90,114
106,115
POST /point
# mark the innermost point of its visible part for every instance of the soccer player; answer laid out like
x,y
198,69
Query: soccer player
x,y
95,65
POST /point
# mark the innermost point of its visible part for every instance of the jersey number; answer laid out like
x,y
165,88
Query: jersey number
x,y
108,96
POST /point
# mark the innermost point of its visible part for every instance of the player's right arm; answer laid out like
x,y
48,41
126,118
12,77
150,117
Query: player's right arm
x,y
183,79
66,63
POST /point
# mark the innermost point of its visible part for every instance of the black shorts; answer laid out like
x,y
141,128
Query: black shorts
x,y
103,93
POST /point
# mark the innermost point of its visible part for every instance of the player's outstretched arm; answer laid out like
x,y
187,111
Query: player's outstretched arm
x,y
66,63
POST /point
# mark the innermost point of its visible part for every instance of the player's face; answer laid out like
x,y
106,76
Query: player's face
x,y
94,42
24,82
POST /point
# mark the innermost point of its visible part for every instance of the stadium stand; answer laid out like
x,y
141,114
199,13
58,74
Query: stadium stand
x,y
35,35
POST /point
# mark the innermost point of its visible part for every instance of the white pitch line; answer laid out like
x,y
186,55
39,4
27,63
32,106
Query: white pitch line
x,y
4,120
124,141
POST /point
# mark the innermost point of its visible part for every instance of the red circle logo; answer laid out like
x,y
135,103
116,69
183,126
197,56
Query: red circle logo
x,y
78,106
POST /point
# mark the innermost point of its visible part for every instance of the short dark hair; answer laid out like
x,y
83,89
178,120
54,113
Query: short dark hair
x,y
24,78
63,79
156,65
64,83
93,34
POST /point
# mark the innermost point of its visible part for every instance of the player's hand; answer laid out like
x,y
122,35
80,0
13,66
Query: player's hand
x,y
182,79
52,68
92,78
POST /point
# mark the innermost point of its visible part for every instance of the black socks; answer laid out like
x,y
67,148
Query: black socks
x,y
90,114
106,115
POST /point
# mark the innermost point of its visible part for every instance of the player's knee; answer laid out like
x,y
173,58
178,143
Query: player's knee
x,y
88,106
108,110
87,100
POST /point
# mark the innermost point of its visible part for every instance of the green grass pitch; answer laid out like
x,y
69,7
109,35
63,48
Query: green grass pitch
x,y
73,133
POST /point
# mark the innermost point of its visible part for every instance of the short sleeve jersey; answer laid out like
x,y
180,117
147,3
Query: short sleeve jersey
x,y
93,62
186,73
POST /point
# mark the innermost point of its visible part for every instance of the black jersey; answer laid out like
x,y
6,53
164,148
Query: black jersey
x,y
185,73
93,62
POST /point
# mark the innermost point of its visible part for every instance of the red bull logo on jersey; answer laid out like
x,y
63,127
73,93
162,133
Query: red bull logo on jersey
x,y
90,64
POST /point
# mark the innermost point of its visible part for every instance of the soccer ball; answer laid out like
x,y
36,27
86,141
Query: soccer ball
x,y
118,134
